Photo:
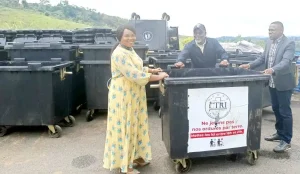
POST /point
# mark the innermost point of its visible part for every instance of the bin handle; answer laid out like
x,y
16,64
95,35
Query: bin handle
x,y
107,83
171,67
154,85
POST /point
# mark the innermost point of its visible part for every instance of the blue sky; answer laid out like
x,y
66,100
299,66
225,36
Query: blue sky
x,y
230,17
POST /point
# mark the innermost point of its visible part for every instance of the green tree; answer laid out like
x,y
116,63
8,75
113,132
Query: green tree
x,y
24,3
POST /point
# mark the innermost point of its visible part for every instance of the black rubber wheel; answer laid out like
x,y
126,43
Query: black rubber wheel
x,y
180,169
3,131
57,134
72,121
155,106
89,116
251,158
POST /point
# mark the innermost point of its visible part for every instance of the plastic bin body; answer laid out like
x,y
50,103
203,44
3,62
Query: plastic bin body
x,y
78,95
96,76
59,51
152,32
186,113
33,96
102,51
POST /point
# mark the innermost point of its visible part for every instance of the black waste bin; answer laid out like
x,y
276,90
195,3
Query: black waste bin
x,y
63,52
34,94
96,65
96,75
211,112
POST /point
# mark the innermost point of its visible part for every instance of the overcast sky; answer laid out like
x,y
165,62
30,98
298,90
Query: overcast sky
x,y
221,17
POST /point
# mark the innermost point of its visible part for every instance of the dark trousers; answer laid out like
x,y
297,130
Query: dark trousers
x,y
281,101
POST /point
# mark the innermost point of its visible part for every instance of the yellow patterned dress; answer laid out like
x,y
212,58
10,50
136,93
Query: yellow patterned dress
x,y
127,136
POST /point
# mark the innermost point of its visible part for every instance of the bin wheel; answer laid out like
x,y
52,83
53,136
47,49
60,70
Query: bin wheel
x,y
89,115
155,106
252,157
70,121
181,169
57,134
3,131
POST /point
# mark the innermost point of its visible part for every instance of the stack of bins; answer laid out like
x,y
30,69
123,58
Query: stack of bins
x,y
34,94
97,73
161,60
63,52
88,35
211,112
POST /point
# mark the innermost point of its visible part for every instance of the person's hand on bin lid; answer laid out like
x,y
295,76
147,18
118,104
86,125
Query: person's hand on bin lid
x,y
163,75
179,65
224,63
245,66
155,71
268,71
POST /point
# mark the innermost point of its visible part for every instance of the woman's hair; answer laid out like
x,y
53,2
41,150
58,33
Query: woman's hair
x,y
120,32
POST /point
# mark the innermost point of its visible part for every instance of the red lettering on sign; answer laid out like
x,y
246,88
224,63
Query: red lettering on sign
x,y
216,134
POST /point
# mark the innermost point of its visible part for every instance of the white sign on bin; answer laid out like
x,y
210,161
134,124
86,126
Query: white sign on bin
x,y
218,118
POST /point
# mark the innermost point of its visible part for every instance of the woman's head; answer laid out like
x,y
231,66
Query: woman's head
x,y
126,35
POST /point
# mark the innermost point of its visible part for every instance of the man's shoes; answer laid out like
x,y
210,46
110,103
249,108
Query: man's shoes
x,y
282,147
274,137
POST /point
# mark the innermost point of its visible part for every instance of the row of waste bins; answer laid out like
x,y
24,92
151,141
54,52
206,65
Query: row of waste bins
x,y
46,83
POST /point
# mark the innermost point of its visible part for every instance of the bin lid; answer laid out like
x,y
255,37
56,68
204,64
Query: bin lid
x,y
95,62
212,75
166,60
53,45
108,46
33,65
99,46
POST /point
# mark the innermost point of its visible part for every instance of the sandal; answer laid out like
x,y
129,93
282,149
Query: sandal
x,y
141,164
134,171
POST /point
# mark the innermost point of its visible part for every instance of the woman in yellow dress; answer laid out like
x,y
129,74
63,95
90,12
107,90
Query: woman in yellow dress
x,y
127,137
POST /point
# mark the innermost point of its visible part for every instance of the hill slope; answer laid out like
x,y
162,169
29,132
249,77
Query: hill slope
x,y
67,12
26,19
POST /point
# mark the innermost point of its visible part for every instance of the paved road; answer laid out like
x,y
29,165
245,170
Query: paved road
x,y
80,151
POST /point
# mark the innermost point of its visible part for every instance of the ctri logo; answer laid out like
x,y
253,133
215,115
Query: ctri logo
x,y
148,36
218,106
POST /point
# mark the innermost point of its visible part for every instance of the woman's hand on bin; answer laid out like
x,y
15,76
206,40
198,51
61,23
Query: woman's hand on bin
x,y
179,65
245,66
155,71
163,75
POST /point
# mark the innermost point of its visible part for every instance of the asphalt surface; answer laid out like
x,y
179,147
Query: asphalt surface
x,y
80,150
